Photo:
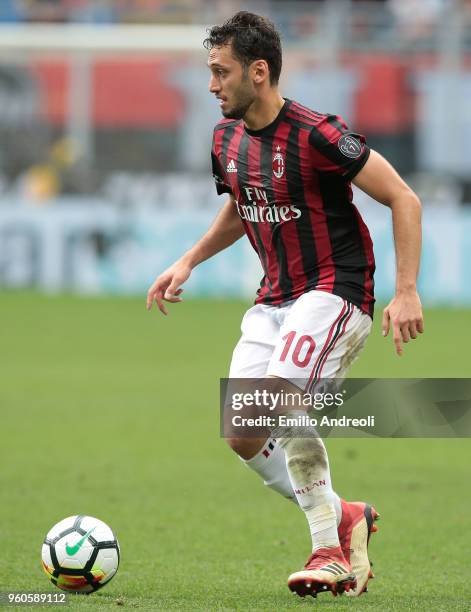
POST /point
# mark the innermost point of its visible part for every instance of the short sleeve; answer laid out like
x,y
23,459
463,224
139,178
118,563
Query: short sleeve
x,y
337,150
220,180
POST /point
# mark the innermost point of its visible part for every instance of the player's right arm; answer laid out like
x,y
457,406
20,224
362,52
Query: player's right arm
x,y
226,229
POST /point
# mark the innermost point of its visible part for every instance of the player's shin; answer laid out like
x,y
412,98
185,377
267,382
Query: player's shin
x,y
270,463
308,469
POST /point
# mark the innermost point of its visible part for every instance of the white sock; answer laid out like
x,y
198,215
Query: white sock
x,y
270,464
308,469
337,506
323,526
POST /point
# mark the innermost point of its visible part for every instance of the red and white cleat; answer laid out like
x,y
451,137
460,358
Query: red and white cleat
x,y
356,526
325,570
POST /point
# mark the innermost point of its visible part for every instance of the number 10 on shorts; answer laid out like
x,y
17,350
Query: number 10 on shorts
x,y
300,351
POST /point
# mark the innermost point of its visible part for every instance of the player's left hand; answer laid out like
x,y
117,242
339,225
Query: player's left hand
x,y
404,314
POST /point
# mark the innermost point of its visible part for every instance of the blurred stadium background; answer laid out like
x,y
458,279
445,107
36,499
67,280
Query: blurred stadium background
x,y
106,124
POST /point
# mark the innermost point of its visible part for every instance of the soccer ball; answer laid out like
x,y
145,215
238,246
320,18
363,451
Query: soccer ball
x,y
80,554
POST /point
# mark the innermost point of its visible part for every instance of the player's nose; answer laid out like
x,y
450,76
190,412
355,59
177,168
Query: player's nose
x,y
213,85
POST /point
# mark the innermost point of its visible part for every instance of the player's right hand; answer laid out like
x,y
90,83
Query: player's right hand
x,y
167,286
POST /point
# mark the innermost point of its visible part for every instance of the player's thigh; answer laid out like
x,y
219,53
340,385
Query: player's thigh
x,y
321,336
255,348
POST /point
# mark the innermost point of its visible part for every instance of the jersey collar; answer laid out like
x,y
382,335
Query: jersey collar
x,y
271,126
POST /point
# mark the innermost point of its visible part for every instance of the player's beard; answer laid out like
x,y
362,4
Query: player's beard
x,y
243,97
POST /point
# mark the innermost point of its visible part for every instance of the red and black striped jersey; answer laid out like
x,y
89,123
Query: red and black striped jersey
x,y
291,185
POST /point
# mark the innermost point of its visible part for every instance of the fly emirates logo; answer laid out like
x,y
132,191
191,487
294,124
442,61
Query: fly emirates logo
x,y
258,210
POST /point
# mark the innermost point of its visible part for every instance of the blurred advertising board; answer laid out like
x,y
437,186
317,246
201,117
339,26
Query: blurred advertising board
x,y
91,246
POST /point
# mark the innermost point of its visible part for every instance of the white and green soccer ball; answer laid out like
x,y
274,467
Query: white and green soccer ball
x,y
80,554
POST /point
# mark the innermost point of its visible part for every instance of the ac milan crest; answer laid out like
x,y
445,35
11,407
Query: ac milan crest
x,y
278,164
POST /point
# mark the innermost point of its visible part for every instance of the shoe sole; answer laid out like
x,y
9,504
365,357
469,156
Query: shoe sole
x,y
303,586
359,556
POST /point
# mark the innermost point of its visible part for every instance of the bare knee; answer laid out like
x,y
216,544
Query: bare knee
x,y
246,447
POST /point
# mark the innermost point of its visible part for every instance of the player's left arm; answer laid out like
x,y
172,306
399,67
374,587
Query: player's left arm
x,y
379,180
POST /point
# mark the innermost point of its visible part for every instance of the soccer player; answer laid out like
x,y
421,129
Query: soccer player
x,y
287,171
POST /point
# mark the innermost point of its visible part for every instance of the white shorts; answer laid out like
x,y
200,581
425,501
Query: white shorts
x,y
318,335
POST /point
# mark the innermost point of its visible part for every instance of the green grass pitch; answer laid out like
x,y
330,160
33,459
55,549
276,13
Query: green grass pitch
x,y
112,411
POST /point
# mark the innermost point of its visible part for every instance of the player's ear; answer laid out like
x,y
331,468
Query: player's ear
x,y
260,71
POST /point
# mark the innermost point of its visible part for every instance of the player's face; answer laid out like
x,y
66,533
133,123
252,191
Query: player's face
x,y
230,83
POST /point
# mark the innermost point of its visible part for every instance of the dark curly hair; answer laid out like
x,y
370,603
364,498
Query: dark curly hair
x,y
252,38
